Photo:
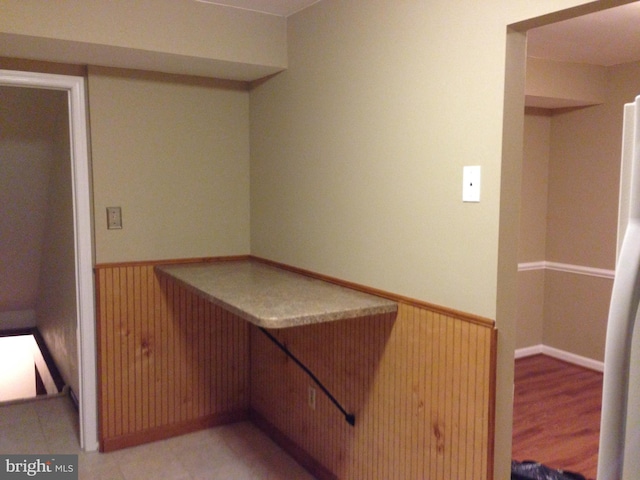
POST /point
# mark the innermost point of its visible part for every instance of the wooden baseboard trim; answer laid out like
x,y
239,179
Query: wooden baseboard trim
x,y
145,263
161,433
298,454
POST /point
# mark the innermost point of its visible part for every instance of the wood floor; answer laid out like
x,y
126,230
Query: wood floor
x,y
556,417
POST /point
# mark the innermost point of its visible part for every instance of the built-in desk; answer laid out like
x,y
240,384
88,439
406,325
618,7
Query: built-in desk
x,y
272,297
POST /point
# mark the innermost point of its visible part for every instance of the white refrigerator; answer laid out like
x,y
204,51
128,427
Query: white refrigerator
x,y
619,453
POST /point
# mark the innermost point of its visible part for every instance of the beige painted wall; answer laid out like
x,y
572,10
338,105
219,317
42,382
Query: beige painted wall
x,y
27,118
56,312
552,84
535,175
575,313
583,185
582,224
531,302
173,153
533,226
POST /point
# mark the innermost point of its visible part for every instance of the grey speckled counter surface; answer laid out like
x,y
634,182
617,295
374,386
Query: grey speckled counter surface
x,y
271,297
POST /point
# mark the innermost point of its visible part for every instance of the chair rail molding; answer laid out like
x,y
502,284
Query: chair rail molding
x,y
567,268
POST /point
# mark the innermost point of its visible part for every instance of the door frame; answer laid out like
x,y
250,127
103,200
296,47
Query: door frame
x,y
83,238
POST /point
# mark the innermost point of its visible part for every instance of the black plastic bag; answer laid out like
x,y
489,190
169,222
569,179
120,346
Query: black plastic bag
x,y
529,470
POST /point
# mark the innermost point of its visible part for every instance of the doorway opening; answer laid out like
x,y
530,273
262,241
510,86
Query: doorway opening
x,y
570,191
82,238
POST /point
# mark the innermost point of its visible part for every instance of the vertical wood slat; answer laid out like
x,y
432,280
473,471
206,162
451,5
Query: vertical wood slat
x,y
118,314
420,385
164,358
162,368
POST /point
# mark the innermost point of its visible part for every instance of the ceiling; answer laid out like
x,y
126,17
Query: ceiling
x,y
282,8
606,38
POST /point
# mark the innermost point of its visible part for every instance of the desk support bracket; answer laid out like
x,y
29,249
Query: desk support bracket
x,y
349,417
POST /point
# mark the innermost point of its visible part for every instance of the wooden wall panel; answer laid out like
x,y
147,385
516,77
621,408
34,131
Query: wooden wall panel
x,y
169,362
420,384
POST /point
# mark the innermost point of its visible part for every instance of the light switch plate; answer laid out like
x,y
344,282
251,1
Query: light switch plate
x,y
471,183
114,218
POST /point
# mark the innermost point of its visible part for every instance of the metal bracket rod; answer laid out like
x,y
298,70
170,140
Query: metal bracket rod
x,y
349,417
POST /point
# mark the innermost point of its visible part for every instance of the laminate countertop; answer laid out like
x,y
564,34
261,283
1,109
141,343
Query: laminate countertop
x,y
272,297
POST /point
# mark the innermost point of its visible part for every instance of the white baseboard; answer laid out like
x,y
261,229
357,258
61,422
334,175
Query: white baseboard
x,y
528,351
17,319
560,355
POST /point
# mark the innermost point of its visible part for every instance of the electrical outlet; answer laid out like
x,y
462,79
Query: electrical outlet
x,y
311,398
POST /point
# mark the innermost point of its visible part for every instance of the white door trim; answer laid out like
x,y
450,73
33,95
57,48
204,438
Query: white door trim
x,y
81,183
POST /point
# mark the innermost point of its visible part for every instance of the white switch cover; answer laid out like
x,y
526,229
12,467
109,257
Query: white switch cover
x,y
114,218
471,184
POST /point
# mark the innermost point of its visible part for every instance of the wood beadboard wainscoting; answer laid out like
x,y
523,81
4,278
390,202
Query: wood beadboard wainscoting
x,y
421,386
169,362
420,383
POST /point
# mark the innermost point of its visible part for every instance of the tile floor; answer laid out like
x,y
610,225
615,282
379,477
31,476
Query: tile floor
x,y
239,451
